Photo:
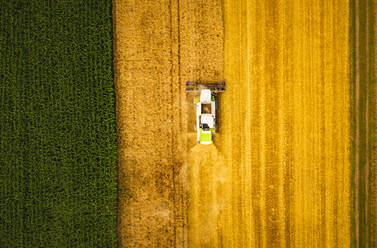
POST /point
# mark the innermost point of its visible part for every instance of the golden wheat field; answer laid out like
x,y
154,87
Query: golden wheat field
x,y
279,173
286,115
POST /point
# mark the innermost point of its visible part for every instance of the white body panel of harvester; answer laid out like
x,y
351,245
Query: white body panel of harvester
x,y
205,117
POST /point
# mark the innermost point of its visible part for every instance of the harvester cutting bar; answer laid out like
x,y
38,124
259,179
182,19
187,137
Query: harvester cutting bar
x,y
213,86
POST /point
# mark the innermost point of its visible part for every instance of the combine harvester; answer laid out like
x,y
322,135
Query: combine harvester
x,y
206,108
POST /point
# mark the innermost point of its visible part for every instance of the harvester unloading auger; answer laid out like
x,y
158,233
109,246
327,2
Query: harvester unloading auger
x,y
206,108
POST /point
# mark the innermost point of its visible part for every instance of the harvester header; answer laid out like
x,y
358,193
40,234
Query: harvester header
x,y
199,85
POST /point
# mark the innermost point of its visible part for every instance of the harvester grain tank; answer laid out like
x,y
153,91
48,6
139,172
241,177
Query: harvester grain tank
x,y
206,108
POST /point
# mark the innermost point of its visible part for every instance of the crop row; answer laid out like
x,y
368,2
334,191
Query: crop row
x,y
58,184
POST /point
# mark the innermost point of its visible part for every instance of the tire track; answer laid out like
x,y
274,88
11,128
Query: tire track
x,y
357,139
366,168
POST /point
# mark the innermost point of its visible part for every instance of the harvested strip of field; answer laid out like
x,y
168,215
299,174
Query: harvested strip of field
x,y
148,120
207,199
58,185
202,59
159,45
286,124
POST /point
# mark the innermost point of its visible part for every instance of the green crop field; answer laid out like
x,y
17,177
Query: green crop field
x,y
58,172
